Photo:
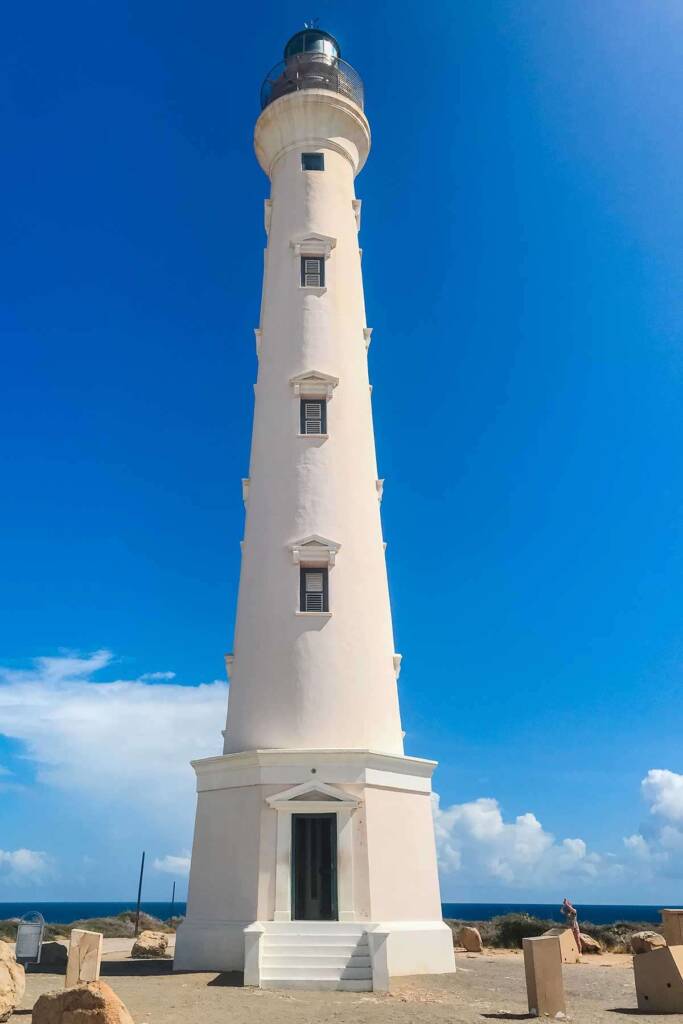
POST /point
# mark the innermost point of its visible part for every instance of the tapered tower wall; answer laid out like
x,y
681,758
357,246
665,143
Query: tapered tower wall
x,y
313,680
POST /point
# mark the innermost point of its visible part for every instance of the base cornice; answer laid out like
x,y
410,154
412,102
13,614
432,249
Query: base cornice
x,y
294,766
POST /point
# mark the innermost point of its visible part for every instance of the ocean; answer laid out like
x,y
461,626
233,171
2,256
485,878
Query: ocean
x,y
596,913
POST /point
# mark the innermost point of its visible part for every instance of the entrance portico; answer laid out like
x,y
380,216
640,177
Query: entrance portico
x,y
244,898
314,825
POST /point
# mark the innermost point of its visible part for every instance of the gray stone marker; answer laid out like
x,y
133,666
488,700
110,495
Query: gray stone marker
x,y
30,938
543,970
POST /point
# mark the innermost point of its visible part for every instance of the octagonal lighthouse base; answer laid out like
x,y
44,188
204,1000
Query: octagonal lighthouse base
x,y
314,869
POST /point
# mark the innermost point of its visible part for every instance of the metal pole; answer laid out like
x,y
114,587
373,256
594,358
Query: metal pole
x,y
137,911
172,903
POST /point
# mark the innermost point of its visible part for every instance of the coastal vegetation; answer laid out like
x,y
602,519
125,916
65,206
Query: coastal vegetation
x,y
120,927
508,930
503,932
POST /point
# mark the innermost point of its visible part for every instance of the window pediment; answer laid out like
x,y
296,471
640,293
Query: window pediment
x,y
314,550
314,384
313,245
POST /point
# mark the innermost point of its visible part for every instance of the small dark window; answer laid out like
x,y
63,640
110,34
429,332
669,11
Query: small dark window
x,y
313,161
314,595
313,416
312,271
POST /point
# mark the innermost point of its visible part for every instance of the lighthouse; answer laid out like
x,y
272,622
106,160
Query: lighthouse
x,y
314,859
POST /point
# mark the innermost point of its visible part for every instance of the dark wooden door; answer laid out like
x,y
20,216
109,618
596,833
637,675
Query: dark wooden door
x,y
314,867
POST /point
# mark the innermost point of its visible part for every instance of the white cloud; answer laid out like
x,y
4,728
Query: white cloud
x,y
478,847
658,846
128,741
173,865
21,867
152,677
663,790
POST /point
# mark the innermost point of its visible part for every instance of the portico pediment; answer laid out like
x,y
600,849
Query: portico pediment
x,y
312,793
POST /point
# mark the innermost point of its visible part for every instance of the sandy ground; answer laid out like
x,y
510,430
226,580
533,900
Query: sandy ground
x,y
486,987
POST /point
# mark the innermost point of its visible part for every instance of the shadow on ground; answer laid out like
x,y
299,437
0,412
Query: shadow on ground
x,y
229,979
509,1016
135,968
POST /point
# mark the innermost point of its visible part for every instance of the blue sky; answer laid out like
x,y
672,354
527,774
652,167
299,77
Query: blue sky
x,y
522,237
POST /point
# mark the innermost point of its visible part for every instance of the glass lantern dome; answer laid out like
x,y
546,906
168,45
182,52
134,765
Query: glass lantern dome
x,y
312,60
312,40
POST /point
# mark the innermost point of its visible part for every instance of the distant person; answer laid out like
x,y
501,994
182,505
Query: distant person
x,y
570,914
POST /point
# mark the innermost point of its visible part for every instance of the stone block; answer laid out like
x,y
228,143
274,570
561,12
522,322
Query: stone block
x,y
543,971
672,920
12,981
589,944
470,939
150,945
94,1003
645,942
659,980
85,957
568,948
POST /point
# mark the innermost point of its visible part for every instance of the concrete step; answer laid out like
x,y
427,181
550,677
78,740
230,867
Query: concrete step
x,y
311,959
314,927
302,943
310,973
318,984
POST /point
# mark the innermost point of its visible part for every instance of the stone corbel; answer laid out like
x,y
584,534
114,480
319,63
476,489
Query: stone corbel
x,y
245,490
356,204
379,484
367,334
229,665
267,213
314,550
258,334
398,658
313,245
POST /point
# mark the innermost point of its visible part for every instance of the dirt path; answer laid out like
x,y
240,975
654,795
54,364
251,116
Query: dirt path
x,y
488,987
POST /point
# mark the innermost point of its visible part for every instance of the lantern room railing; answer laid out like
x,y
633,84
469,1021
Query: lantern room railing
x,y
312,71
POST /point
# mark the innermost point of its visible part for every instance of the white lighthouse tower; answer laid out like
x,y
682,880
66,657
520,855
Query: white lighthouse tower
x,y
314,860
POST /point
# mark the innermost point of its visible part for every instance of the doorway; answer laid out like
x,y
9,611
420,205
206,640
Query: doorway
x,y
314,867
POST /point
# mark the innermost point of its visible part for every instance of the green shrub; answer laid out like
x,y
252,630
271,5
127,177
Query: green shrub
x,y
510,929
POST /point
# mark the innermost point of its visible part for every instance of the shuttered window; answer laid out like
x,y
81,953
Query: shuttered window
x,y
313,161
312,271
313,416
314,590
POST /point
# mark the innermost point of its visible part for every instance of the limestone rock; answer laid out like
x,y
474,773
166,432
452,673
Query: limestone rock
x,y
470,939
12,981
149,945
589,944
53,954
644,942
92,1003
568,948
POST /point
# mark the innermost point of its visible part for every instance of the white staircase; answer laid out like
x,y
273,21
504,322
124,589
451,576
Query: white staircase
x,y
315,955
